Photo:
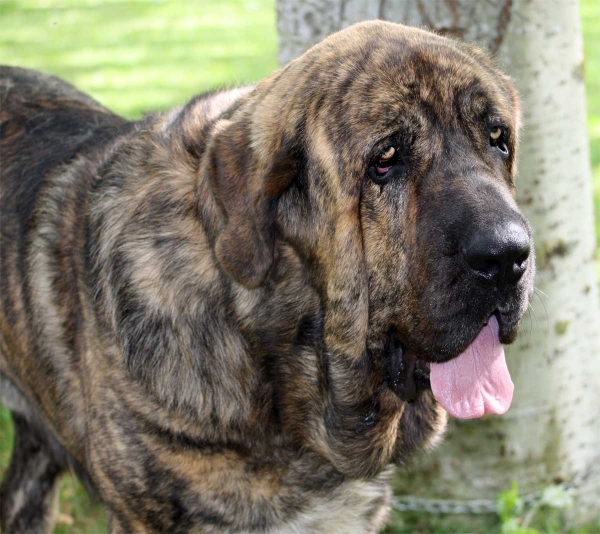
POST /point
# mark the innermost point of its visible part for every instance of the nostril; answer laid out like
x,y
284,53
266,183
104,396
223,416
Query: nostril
x,y
519,267
521,261
484,265
500,254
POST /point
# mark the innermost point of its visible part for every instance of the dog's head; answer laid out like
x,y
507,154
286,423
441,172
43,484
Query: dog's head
x,y
385,156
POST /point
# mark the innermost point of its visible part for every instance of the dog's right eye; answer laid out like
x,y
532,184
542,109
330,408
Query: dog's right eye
x,y
386,160
382,168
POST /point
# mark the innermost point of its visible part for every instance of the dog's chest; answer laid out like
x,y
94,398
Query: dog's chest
x,y
356,507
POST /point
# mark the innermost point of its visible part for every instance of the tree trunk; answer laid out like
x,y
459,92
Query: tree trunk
x,y
552,432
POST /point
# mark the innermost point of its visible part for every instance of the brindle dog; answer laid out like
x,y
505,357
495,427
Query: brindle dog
x,y
209,314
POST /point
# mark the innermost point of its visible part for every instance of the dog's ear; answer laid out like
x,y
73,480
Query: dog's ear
x,y
246,181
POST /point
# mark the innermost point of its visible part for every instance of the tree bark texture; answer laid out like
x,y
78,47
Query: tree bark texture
x,y
552,432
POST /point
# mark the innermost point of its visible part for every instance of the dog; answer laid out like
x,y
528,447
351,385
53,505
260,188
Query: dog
x,y
238,315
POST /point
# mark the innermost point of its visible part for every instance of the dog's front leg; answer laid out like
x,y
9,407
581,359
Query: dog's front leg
x,y
28,496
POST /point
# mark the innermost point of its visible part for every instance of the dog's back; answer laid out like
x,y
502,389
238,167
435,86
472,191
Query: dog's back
x,y
44,123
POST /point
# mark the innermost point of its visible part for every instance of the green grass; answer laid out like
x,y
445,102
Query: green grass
x,y
139,56
590,16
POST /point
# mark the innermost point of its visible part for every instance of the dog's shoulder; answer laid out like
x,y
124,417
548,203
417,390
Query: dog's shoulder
x,y
36,110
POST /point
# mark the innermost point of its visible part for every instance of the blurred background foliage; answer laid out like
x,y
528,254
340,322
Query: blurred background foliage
x,y
137,56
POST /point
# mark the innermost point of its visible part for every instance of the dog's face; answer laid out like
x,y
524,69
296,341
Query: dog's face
x,y
385,156
446,247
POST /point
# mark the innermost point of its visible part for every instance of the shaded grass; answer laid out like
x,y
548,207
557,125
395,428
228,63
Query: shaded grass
x,y
139,56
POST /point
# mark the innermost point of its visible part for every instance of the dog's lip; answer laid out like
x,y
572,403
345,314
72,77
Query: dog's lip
x,y
406,374
441,358
410,371
423,367
508,326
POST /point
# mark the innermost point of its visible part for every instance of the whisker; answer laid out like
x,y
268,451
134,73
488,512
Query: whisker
x,y
532,311
535,292
538,290
529,313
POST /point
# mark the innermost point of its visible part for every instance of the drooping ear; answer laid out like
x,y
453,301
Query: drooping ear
x,y
246,181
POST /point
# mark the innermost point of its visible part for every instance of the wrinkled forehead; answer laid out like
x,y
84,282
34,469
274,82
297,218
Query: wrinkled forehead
x,y
426,80
447,83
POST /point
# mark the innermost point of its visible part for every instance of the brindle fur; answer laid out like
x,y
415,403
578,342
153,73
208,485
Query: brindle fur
x,y
196,306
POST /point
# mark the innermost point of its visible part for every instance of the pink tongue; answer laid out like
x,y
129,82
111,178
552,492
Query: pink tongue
x,y
476,382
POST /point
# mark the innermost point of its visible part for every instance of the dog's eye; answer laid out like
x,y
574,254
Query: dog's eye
x,y
498,139
379,172
387,155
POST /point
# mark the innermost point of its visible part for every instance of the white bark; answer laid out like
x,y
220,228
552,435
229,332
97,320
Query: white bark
x,y
552,432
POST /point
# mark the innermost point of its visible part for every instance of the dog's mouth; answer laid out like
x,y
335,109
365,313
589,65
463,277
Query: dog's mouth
x,y
473,383
406,374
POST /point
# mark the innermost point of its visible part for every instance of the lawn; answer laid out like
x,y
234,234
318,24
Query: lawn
x,y
590,14
137,56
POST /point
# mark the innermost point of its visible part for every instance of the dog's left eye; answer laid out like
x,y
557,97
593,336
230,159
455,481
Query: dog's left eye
x,y
498,139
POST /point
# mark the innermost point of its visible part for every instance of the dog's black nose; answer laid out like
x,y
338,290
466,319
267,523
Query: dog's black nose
x,y
498,254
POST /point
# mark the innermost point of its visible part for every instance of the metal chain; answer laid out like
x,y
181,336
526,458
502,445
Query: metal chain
x,y
444,506
481,506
